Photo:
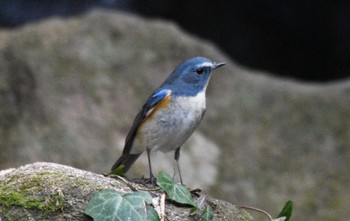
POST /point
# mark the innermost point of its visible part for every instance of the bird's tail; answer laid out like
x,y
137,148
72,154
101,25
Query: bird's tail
x,y
127,160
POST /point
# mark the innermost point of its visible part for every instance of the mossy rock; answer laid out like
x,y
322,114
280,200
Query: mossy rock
x,y
48,191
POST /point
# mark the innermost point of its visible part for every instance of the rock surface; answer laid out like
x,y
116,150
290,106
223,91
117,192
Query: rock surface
x,y
48,191
70,88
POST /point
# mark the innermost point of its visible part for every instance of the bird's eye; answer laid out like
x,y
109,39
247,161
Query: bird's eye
x,y
200,71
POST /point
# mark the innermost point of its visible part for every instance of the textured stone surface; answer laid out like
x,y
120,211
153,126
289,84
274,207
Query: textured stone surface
x,y
69,90
48,191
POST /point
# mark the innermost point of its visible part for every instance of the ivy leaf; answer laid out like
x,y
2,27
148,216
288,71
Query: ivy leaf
x,y
175,192
207,214
286,211
110,205
152,214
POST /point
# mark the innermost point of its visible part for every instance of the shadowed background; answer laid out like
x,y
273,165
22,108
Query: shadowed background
x,y
307,40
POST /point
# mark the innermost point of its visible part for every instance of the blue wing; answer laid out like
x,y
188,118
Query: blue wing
x,y
155,99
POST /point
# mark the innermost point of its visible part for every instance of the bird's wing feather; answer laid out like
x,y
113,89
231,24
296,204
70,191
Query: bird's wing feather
x,y
151,105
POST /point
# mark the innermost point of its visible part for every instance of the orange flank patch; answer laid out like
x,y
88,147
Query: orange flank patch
x,y
160,105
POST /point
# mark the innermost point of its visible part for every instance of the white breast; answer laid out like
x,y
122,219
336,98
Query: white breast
x,y
170,127
195,103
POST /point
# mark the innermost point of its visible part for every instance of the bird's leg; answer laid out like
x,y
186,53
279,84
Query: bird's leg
x,y
177,157
151,177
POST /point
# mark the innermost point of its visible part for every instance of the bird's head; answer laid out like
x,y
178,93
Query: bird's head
x,y
191,76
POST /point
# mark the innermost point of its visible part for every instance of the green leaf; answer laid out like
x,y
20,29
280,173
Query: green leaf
x,y
110,205
118,171
152,214
207,214
175,192
287,210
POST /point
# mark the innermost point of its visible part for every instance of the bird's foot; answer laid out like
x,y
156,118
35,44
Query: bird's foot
x,y
152,181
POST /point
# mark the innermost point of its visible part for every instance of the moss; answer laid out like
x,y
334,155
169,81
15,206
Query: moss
x,y
34,193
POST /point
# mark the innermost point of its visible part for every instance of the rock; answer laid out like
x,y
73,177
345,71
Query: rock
x,y
48,191
70,88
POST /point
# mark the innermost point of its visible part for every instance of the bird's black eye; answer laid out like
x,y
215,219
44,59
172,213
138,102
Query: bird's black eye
x,y
199,71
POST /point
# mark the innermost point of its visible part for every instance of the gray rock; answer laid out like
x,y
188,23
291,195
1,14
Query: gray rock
x,y
69,90
48,191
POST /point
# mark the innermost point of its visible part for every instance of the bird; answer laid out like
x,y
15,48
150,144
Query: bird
x,y
170,115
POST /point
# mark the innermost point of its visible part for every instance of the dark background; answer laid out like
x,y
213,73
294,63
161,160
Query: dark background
x,y
303,39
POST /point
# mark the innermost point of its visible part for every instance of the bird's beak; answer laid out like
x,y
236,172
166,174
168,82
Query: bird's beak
x,y
217,65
